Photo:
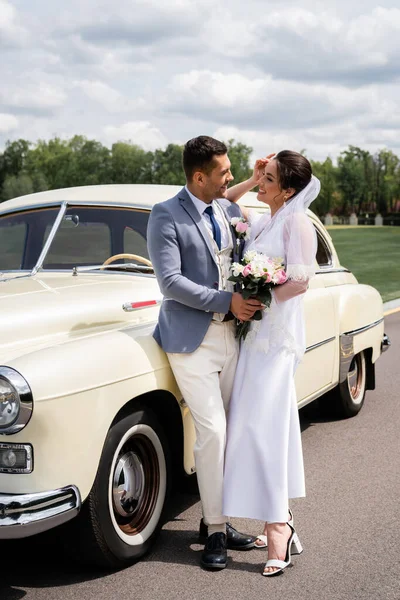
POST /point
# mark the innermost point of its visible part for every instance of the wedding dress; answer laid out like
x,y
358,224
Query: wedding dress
x,y
264,460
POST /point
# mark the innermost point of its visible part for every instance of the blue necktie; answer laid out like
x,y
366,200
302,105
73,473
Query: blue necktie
x,y
215,227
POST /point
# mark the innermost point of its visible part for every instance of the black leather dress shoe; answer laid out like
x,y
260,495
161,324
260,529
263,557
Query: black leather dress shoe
x,y
234,539
214,554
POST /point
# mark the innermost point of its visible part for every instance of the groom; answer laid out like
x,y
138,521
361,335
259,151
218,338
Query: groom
x,y
190,243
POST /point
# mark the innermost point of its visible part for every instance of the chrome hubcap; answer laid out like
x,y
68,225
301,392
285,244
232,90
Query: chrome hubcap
x,y
355,378
135,484
128,484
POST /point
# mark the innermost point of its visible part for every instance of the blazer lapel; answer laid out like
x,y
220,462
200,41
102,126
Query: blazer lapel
x,y
236,245
190,208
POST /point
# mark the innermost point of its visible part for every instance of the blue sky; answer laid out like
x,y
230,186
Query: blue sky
x,y
302,75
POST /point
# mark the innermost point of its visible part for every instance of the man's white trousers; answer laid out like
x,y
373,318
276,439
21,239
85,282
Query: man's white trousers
x,y
205,378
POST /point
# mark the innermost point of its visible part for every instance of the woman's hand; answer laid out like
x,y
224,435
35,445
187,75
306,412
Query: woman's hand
x,y
259,168
237,191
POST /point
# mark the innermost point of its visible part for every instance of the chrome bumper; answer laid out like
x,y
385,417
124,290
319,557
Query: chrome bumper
x,y
386,343
23,515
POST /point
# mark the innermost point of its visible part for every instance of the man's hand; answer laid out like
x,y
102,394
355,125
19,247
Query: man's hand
x,y
244,309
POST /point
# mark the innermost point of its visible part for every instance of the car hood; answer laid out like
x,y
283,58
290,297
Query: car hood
x,y
54,308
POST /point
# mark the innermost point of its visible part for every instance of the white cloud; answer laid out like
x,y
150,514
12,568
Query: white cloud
x,y
109,98
141,133
237,99
32,95
7,123
319,74
11,32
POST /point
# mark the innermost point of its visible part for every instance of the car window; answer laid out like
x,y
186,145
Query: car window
x,y
12,243
90,235
324,256
22,237
87,243
135,242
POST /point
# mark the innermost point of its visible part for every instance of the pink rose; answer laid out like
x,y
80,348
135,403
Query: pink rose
x,y
242,227
267,276
281,276
246,270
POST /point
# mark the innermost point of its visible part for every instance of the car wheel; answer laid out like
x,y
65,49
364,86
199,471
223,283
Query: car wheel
x,y
349,395
123,514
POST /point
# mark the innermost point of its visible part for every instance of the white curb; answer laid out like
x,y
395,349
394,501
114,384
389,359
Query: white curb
x,y
391,305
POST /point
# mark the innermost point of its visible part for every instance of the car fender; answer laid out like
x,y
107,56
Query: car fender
x,y
78,388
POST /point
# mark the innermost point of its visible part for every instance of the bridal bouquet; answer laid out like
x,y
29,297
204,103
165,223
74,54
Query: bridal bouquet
x,y
256,275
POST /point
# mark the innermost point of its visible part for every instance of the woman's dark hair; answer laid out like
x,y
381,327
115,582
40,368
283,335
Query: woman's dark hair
x,y
198,154
294,170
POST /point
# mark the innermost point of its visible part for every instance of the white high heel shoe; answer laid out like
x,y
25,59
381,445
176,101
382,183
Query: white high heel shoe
x,y
292,545
297,548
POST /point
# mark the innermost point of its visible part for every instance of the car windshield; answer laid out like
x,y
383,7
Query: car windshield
x,y
87,235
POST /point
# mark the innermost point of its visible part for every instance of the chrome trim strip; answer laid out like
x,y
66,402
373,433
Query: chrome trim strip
x,y
50,239
346,349
124,266
22,209
25,397
23,515
80,203
315,395
362,329
320,344
329,270
127,306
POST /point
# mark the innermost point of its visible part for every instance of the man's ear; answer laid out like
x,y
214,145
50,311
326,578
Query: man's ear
x,y
199,178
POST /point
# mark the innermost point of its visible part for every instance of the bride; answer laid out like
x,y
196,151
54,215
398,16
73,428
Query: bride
x,y
264,460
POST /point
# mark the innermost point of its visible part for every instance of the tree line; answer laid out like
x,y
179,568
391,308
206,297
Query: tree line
x,y
359,182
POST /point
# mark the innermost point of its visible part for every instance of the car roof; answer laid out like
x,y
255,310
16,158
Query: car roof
x,y
144,195
135,195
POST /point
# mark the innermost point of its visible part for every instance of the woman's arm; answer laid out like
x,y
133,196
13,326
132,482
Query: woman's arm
x,y
240,189
289,290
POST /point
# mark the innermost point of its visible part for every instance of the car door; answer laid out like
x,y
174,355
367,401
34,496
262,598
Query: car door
x,y
315,373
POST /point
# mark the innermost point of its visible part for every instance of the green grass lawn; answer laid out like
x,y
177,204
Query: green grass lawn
x,y
372,254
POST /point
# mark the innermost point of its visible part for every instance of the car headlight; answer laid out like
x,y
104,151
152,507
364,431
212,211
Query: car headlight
x,y
9,403
16,401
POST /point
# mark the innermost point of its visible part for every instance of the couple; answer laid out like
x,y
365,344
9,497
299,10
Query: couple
x,y
251,467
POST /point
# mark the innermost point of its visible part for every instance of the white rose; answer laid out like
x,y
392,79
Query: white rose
x,y
250,255
237,269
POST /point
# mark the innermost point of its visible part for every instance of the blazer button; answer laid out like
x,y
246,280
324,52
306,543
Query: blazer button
x,y
216,284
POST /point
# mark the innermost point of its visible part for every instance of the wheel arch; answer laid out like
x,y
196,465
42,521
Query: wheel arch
x,y
166,409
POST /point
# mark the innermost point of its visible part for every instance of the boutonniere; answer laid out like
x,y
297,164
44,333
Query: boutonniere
x,y
241,229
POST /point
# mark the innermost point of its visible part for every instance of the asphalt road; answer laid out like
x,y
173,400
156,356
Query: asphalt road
x,y
348,524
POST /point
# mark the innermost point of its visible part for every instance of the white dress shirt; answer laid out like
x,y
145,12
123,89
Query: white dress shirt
x,y
218,213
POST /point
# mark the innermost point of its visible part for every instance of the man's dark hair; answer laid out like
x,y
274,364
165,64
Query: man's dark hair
x,y
198,155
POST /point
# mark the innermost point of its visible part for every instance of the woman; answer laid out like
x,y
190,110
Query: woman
x,y
264,462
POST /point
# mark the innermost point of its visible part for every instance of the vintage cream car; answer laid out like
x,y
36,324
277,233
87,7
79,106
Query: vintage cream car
x,y
92,424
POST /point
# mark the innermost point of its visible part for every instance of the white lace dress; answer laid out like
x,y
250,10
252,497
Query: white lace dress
x,y
264,460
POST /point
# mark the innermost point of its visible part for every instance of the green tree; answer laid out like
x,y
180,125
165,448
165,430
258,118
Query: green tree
x,y
130,163
354,179
327,198
13,159
387,180
167,166
239,155
17,185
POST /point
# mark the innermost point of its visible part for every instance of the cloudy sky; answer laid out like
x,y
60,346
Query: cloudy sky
x,y
318,75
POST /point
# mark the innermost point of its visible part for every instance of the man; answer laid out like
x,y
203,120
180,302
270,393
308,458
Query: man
x,y
190,243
